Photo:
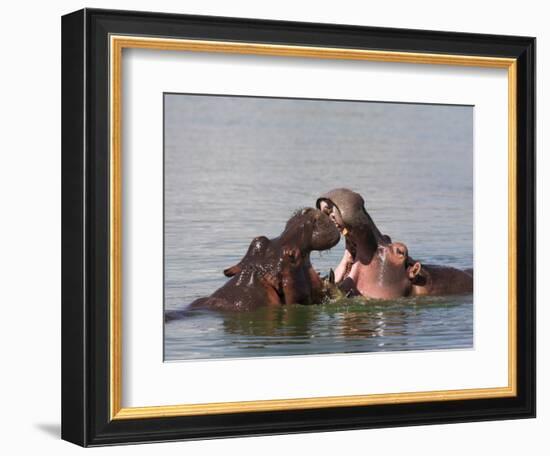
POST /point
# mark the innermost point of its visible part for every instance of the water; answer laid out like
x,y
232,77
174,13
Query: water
x,y
237,167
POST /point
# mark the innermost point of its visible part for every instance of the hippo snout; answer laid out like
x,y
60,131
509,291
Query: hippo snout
x,y
325,233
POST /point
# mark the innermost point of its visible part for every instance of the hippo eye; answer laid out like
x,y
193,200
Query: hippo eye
x,y
400,251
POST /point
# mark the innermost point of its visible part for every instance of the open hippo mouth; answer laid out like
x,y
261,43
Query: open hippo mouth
x,y
351,255
346,210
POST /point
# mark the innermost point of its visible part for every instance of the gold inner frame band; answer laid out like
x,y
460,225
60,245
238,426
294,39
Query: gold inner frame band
x,y
117,44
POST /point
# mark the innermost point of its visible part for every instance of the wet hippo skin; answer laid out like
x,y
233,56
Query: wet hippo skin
x,y
437,280
276,271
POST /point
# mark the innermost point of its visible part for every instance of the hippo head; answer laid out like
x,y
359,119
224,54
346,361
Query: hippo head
x,y
346,209
282,265
310,229
391,273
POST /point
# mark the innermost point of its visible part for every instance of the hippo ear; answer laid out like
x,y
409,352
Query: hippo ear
x,y
413,270
233,270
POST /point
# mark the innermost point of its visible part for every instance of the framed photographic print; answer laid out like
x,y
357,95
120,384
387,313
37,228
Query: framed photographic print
x,y
278,227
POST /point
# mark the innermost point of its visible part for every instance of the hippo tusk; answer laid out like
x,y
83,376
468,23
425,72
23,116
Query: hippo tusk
x,y
331,278
345,231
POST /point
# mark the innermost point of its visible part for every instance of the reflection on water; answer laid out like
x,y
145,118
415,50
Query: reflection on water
x,y
345,326
236,168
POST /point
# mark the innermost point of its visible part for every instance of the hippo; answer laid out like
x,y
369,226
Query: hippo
x,y
376,267
392,274
276,271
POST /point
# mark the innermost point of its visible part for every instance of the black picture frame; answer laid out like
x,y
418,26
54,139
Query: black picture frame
x,y
85,228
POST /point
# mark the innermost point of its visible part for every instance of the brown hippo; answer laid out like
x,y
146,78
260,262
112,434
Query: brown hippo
x,y
375,267
277,271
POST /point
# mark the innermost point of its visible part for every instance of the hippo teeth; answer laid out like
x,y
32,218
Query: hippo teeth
x,y
345,231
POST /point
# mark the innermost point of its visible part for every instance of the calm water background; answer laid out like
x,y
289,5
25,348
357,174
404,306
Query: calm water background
x,y
237,167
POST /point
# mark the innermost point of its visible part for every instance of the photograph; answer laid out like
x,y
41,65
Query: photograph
x,y
296,226
272,226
